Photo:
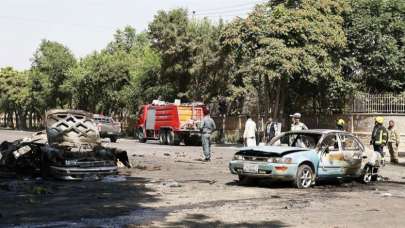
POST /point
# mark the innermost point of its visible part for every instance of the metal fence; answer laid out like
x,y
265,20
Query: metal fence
x,y
378,103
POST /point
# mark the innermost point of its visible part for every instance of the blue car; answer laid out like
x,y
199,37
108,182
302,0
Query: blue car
x,y
306,156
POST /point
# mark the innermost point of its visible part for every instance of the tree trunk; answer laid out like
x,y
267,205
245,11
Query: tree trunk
x,y
276,104
30,120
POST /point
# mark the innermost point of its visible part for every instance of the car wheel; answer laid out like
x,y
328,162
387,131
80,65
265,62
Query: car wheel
x,y
368,175
141,135
244,180
305,176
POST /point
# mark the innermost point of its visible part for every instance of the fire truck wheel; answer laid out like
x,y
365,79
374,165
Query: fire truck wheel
x,y
141,135
162,137
172,138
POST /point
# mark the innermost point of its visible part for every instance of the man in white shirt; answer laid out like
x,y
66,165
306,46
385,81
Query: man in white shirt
x,y
249,135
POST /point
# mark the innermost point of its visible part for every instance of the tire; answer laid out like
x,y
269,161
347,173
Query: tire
x,y
192,140
172,138
113,139
246,181
141,136
187,140
162,137
305,177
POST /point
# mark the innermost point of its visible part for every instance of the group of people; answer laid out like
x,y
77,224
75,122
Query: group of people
x,y
380,136
250,132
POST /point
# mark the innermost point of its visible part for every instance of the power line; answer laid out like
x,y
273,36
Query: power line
x,y
226,11
251,4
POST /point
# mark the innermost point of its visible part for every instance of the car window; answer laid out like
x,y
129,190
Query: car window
x,y
302,140
331,142
349,143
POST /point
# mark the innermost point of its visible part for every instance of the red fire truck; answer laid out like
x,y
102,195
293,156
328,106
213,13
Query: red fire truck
x,y
170,123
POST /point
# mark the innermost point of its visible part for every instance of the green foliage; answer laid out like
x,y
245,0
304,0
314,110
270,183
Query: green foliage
x,y
54,60
290,53
376,55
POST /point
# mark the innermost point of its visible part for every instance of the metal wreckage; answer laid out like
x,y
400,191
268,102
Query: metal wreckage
x,y
69,149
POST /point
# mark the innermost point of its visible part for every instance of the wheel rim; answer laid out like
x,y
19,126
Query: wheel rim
x,y
140,134
169,137
306,178
367,175
367,178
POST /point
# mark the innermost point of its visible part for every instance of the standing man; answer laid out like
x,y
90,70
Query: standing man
x,y
270,129
207,127
393,142
296,124
249,135
379,136
340,124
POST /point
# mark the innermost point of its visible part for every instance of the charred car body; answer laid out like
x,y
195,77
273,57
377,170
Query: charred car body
x,y
71,149
305,156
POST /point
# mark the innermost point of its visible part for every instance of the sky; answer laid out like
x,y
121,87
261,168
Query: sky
x,y
85,26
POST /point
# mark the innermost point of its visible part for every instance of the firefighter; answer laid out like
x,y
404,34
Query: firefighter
x,y
207,128
296,124
379,136
340,124
393,142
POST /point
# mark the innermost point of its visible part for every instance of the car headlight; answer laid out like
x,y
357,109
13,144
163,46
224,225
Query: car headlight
x,y
285,160
237,157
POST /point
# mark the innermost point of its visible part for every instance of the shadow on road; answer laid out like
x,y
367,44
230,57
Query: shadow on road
x,y
200,220
42,201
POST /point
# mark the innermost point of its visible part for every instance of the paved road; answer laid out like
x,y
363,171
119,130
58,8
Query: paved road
x,y
169,186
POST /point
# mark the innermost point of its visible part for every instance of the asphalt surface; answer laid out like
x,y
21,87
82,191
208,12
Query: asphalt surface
x,y
169,186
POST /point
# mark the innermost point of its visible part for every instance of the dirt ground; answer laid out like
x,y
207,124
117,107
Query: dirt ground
x,y
169,187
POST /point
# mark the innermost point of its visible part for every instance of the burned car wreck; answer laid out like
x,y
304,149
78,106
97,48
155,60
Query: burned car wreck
x,y
70,149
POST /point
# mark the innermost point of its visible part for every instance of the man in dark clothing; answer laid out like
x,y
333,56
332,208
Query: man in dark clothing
x,y
379,136
270,129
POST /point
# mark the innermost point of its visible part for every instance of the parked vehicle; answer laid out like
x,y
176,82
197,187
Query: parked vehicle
x,y
170,123
107,127
306,156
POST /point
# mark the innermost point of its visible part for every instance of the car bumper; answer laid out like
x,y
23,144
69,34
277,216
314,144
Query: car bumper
x,y
77,173
265,170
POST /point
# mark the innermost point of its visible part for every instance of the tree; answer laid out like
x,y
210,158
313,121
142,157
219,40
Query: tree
x,y
375,57
168,34
289,51
55,61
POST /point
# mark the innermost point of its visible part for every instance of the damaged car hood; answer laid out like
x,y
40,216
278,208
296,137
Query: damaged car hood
x,y
273,150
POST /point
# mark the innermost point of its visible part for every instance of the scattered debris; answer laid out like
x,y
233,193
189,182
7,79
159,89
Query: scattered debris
x,y
113,179
386,194
170,184
148,167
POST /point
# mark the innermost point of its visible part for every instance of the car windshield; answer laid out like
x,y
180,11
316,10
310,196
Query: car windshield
x,y
297,139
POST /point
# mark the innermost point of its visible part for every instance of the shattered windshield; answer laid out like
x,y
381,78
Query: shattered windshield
x,y
302,140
